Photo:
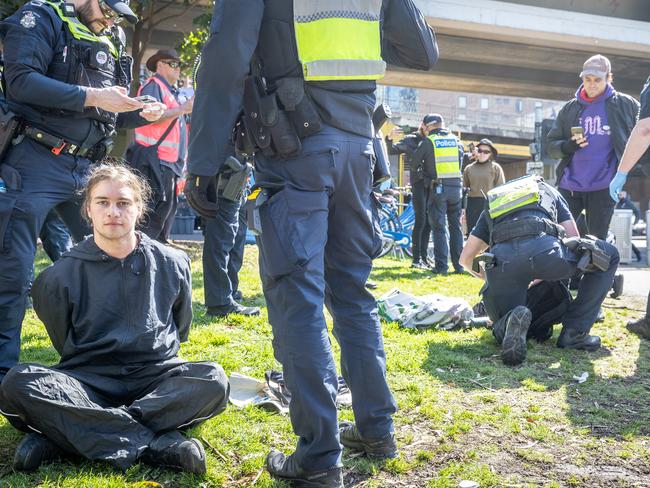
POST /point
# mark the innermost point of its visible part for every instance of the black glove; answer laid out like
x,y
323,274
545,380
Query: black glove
x,y
197,190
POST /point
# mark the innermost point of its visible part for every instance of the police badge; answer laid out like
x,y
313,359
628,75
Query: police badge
x,y
28,20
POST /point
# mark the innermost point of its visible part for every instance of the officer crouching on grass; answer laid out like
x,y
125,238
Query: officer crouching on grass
x,y
64,83
527,245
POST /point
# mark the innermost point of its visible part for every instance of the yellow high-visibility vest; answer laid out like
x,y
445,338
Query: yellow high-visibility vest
x,y
339,39
79,30
445,150
513,195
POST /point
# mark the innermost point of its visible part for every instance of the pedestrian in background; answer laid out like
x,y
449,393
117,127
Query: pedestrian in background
x,y
419,190
589,136
479,178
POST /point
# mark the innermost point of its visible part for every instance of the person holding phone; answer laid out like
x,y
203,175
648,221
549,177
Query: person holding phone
x,y
589,136
160,149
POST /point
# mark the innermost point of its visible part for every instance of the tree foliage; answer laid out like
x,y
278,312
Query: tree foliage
x,y
152,13
194,41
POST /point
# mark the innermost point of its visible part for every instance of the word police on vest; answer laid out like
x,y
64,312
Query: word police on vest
x,y
441,143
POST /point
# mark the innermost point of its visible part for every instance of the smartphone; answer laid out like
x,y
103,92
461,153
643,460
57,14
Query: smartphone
x,y
145,99
577,131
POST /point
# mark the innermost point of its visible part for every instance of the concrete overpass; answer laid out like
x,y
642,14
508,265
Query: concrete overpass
x,y
532,48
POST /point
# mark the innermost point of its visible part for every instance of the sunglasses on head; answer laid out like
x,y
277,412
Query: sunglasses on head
x,y
172,64
109,13
484,151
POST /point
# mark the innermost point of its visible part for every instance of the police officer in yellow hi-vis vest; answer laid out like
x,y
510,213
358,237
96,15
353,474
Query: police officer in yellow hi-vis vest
x,y
441,154
304,75
64,82
533,237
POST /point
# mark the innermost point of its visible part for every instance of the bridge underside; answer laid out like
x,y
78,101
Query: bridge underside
x,y
532,48
476,65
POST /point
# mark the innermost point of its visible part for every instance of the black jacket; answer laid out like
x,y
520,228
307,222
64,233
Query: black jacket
x,y
622,113
100,311
424,157
408,146
241,28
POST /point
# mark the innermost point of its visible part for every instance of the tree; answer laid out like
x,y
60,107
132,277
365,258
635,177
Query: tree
x,y
8,7
194,41
152,13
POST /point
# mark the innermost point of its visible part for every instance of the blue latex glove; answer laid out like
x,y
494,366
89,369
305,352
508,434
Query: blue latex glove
x,y
616,185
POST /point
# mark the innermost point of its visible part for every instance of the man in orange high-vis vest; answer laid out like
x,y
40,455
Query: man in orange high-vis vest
x,y
160,149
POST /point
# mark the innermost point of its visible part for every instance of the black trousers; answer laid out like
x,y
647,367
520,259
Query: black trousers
x,y
475,205
598,206
113,416
421,228
161,213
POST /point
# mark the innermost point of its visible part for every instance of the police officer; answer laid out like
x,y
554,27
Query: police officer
x,y
636,151
219,284
316,212
440,154
526,245
419,191
62,78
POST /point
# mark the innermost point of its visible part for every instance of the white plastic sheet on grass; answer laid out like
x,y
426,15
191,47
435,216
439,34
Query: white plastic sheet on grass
x,y
433,310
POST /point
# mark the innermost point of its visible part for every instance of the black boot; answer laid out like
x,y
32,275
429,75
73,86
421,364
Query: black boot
x,y
234,307
285,468
640,327
382,448
175,451
513,349
571,339
34,450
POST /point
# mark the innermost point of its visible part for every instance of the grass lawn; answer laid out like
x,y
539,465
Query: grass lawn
x,y
463,414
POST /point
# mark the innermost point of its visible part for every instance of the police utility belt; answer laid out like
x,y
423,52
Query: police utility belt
x,y
275,120
528,227
13,130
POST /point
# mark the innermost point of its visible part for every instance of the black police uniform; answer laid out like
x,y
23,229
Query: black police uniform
x,y
539,254
444,209
320,224
420,192
45,70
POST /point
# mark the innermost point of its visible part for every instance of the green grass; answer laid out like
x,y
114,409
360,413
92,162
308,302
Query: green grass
x,y
463,415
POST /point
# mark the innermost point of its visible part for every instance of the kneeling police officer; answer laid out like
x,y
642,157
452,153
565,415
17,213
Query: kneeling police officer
x,y
532,237
64,83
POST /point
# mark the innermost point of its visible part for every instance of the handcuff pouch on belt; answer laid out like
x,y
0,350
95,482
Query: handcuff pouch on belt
x,y
592,257
275,122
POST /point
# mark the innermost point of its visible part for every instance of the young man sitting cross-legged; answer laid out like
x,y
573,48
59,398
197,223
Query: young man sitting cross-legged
x,y
116,307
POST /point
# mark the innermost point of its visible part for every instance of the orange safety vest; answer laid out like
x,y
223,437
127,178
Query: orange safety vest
x,y
149,134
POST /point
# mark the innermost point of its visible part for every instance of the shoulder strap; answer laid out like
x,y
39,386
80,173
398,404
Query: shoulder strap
x,y
167,131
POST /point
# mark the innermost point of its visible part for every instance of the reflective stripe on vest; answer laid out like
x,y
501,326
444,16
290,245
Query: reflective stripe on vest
x,y
339,39
445,151
148,135
513,195
79,30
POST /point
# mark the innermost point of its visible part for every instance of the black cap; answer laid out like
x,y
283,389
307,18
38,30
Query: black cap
x,y
159,55
123,10
432,119
488,142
